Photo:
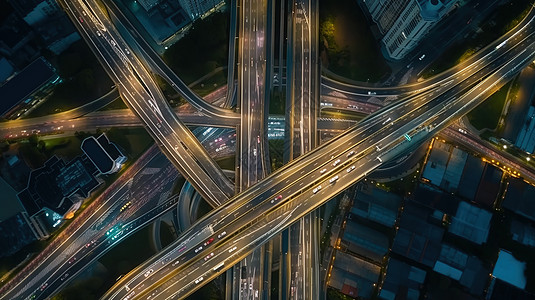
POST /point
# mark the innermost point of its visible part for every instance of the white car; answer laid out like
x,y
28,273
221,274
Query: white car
x,y
350,153
198,249
336,162
148,272
316,189
323,171
350,169
422,57
333,179
222,234
199,280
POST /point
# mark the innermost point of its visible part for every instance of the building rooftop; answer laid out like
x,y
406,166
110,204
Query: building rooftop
x,y
402,281
453,172
15,233
489,186
416,238
523,233
470,178
53,184
350,273
376,205
6,69
365,241
433,10
436,163
21,86
520,198
435,199
510,270
471,223
502,290
466,269
103,153
9,202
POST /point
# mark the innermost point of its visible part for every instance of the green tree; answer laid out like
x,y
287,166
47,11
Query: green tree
x,y
33,140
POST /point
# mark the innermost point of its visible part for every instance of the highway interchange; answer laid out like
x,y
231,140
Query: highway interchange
x,y
299,174
231,231
146,100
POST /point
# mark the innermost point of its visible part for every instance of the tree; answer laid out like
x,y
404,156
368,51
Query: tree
x,y
33,140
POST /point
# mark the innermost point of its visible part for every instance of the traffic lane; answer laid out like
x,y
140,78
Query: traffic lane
x,y
149,118
72,240
440,108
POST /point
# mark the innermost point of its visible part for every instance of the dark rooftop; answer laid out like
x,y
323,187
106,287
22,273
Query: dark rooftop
x,y
418,239
18,88
15,233
102,152
489,186
435,199
472,172
402,280
520,198
52,185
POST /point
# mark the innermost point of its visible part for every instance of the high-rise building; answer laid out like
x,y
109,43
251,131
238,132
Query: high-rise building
x,y
404,23
148,4
23,7
197,8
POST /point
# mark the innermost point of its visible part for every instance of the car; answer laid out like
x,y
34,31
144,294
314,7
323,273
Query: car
x,y
232,249
336,162
148,272
72,260
350,153
276,198
198,249
350,169
209,256
250,286
222,234
372,93
43,287
64,276
333,179
175,263
254,151
422,57
209,241
199,280
323,171
316,189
